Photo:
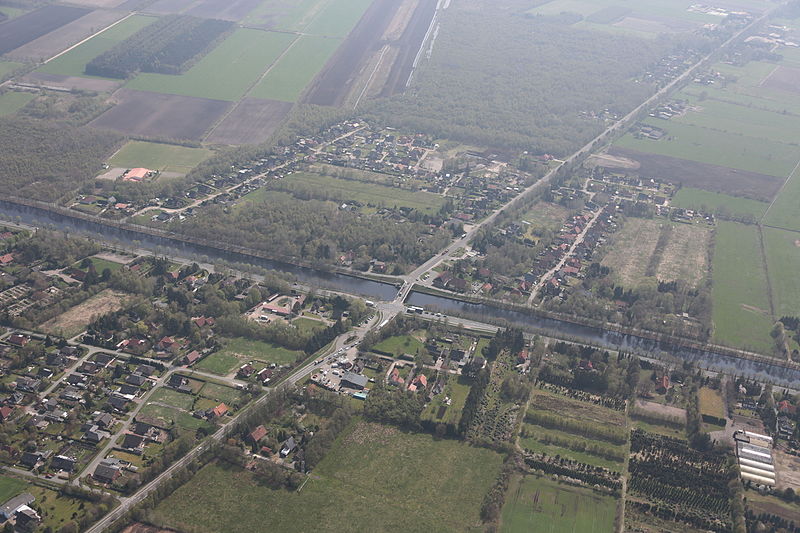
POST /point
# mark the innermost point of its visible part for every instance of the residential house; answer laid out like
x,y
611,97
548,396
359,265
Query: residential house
x,y
288,447
257,434
108,471
62,462
191,358
10,507
133,443
5,413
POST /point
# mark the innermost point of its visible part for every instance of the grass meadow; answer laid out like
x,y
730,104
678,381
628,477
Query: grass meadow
x,y
783,261
375,478
785,212
13,101
158,156
708,201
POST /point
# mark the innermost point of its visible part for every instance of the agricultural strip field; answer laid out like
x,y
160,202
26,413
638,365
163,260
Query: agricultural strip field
x,y
252,121
785,212
337,18
443,483
157,156
227,72
13,101
161,115
703,175
294,71
232,10
75,320
335,82
783,262
25,28
538,504
714,202
74,62
704,145
366,193
683,255
409,45
740,293
290,15
58,40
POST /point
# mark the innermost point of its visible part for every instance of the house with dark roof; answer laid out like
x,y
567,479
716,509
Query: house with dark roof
x,y
133,443
107,472
62,462
136,379
288,447
354,381
10,507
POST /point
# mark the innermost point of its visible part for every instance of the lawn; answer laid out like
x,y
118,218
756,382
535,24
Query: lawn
x,y
740,293
711,403
10,487
785,212
101,264
456,390
538,504
74,62
159,156
263,351
227,72
13,101
172,397
375,478
169,416
308,325
400,345
783,262
220,393
221,363
288,78
713,202
337,18
367,193
721,148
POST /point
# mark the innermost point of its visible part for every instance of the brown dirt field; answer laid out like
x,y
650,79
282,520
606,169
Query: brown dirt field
x,y
659,409
704,176
409,45
400,20
759,503
631,249
334,83
686,254
784,79
30,26
788,468
609,161
576,409
252,121
59,40
161,115
73,321
70,82
233,10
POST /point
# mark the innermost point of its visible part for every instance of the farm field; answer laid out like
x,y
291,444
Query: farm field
x,y
537,504
783,261
7,67
284,14
537,442
337,18
74,62
740,298
714,202
682,254
158,156
25,28
226,73
294,71
253,121
714,147
75,320
442,483
263,351
13,101
367,193
785,212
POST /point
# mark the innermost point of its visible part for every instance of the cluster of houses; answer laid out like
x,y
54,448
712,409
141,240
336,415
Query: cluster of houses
x,y
18,512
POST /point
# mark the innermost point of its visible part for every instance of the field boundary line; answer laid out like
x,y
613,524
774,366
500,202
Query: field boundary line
x,y
369,80
766,270
123,19
780,191
250,89
768,76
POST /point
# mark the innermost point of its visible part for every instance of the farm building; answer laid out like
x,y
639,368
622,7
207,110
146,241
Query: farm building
x,y
354,381
754,453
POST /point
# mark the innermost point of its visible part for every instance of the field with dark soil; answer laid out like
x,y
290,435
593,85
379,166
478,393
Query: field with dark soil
x,y
252,121
24,29
703,175
409,44
336,80
161,115
233,10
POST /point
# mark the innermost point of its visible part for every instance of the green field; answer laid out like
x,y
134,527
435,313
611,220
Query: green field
x,y
740,293
717,148
308,325
713,202
783,262
172,397
295,70
785,212
284,14
538,504
534,444
457,390
400,344
6,67
10,487
169,416
368,193
220,393
263,351
375,478
337,18
13,101
74,62
227,72
159,156
219,363
101,264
